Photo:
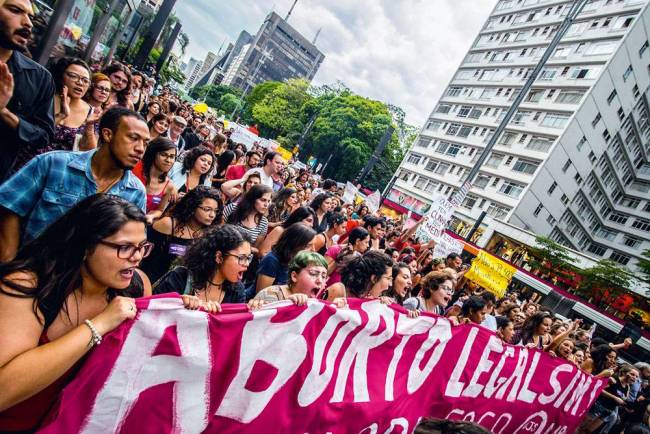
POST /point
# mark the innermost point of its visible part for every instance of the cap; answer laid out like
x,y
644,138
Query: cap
x,y
180,120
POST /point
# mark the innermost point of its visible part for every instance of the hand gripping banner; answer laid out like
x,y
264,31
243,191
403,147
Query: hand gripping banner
x,y
366,369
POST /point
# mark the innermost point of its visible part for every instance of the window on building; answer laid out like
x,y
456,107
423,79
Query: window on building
x,y
495,160
538,209
641,224
643,48
470,201
541,144
507,138
606,135
581,143
511,189
464,111
525,166
596,249
497,211
596,119
566,166
592,157
611,97
482,181
569,97
550,220
627,73
564,199
578,179
454,91
619,218
555,120
551,189
606,234
629,202
535,95
631,242
619,257
621,113
414,159
442,168
509,160
423,142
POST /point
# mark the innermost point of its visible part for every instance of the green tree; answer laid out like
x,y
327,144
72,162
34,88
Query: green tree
x,y
644,266
279,113
605,275
256,95
228,103
551,257
212,93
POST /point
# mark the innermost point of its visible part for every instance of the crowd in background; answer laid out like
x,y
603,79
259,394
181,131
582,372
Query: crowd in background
x,y
113,188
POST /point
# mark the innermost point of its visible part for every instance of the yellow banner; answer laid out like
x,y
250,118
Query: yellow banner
x,y
285,154
491,273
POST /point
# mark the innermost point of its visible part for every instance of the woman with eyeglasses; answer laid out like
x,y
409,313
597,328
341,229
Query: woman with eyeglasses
x,y
63,291
337,226
436,289
185,222
157,161
212,269
307,274
71,113
273,268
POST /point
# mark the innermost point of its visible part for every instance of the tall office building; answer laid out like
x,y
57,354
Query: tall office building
x,y
192,73
277,52
573,163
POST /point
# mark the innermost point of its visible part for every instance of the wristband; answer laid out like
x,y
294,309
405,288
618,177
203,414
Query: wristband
x,y
96,338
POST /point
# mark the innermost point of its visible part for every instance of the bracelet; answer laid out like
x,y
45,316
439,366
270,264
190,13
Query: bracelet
x,y
96,338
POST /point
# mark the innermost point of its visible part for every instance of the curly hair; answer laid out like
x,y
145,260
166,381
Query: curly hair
x,y
432,281
200,256
318,200
184,210
357,276
246,205
294,239
123,95
156,146
193,155
278,207
530,325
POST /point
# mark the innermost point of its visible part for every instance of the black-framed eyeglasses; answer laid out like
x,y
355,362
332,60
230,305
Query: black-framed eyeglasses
x,y
242,259
78,78
126,251
103,89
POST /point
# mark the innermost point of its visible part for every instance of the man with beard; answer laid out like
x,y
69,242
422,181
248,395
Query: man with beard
x,y
26,88
52,183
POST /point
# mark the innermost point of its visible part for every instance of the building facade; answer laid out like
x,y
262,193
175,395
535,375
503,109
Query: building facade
x,y
573,163
192,72
277,52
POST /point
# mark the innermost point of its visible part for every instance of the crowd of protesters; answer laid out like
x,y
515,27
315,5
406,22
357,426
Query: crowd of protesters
x,y
113,188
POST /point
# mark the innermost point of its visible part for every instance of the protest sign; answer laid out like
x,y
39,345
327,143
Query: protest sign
x,y
491,273
314,369
373,201
350,192
435,220
445,245
242,135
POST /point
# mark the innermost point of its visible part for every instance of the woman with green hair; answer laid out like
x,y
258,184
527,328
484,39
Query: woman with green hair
x,y
307,276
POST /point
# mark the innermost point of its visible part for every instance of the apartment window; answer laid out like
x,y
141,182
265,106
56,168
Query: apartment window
x,y
443,108
566,165
414,159
629,202
580,73
448,148
596,120
538,210
494,161
619,257
469,201
621,113
509,160
569,97
581,143
535,95
431,165
508,139
606,135
497,211
547,74
550,220
495,182
643,48
511,189
433,125
641,224
619,218
442,168
631,241
423,142
464,111
578,179
635,91
551,189
482,181
627,73
592,157
611,97
596,249
523,138
454,91
564,199
554,120
421,182
606,234
525,166
541,144
551,93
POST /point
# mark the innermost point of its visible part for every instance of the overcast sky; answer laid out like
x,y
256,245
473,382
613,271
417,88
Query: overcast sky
x,y
399,51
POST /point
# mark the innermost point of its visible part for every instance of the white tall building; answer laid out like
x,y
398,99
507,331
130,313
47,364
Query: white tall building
x,y
573,163
192,73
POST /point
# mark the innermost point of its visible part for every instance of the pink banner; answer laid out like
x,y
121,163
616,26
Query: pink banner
x,y
314,369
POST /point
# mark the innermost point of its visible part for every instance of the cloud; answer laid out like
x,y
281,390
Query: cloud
x,y
398,51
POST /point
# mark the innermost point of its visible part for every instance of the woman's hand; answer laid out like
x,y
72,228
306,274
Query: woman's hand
x,y
65,104
94,117
386,300
340,302
414,313
255,304
192,302
117,311
298,299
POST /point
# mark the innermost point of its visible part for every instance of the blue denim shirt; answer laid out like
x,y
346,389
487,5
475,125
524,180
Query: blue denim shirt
x,y
52,183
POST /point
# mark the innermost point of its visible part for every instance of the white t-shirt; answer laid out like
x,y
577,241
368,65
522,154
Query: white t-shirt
x,y
490,322
265,179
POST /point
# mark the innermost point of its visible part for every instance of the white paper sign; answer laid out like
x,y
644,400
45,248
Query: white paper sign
x,y
436,220
350,193
445,245
373,201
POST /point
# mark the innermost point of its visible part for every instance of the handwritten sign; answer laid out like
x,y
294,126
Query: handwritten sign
x,y
491,273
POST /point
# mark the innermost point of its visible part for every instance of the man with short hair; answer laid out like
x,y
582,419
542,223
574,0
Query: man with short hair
x,y
376,227
490,320
237,171
330,186
176,128
454,261
52,183
273,165
26,88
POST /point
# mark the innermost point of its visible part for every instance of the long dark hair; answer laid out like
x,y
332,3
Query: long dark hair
x,y
223,161
390,292
59,68
318,200
123,95
246,205
357,275
279,203
193,155
298,215
530,325
159,117
294,239
200,256
55,257
155,147
184,210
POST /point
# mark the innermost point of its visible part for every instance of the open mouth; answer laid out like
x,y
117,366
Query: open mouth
x,y
127,273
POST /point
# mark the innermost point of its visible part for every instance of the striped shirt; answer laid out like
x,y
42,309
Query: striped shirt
x,y
253,233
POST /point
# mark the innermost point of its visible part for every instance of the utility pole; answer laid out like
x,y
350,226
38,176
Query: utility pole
x,y
153,33
375,155
576,8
